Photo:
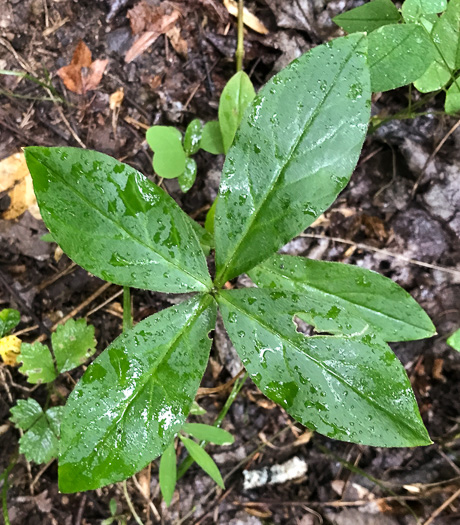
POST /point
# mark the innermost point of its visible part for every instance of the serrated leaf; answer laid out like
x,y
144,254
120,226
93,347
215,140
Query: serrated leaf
x,y
192,137
169,155
26,413
211,140
40,442
414,10
135,396
168,473
116,223
187,179
294,152
203,459
236,97
453,97
9,319
348,388
37,363
73,343
346,293
398,55
368,17
454,340
209,433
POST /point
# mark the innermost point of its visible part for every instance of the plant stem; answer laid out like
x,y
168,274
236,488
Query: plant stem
x,y
239,55
188,461
127,309
129,502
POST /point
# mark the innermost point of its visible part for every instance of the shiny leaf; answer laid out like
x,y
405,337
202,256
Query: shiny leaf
x,y
37,363
414,10
236,97
454,340
114,222
9,319
192,137
446,35
26,413
203,459
73,343
368,17
169,156
168,473
348,388
435,77
294,152
335,290
398,55
135,397
211,140
209,222
208,433
187,179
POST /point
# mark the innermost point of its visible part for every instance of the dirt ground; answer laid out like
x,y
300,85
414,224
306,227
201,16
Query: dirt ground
x,y
400,216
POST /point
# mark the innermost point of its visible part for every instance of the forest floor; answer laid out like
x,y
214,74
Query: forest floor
x,y
400,215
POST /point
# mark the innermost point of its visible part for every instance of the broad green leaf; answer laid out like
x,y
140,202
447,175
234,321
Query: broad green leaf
x,y
332,289
40,443
435,77
135,396
26,413
211,140
294,152
208,433
116,223
454,340
203,459
9,319
187,179
73,343
398,55
192,137
168,473
209,222
414,10
236,97
446,35
169,156
37,363
368,17
205,238
348,388
453,97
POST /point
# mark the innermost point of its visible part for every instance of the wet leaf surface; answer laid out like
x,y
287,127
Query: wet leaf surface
x,y
135,397
369,16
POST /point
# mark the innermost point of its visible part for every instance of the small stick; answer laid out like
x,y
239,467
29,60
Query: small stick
x,y
147,499
438,511
239,55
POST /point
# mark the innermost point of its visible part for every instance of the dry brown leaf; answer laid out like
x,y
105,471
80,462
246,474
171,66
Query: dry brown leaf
x,y
15,178
116,99
82,74
179,44
437,370
149,22
249,19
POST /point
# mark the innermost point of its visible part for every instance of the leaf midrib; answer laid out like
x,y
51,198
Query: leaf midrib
x,y
221,276
339,378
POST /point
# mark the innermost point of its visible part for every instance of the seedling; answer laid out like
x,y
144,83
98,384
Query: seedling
x,y
414,45
173,155
454,340
294,151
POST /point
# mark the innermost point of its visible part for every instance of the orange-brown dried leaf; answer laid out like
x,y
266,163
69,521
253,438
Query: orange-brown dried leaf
x,y
93,77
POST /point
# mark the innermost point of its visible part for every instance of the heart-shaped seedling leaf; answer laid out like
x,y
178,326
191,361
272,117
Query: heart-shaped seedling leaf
x,y
187,179
192,137
211,140
169,155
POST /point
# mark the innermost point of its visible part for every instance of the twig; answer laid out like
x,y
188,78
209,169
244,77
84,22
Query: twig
x,y
147,499
81,509
40,473
366,247
438,511
106,302
239,55
130,504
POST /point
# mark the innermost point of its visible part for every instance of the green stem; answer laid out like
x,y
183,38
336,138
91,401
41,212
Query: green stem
x,y
188,461
127,309
130,503
4,477
239,55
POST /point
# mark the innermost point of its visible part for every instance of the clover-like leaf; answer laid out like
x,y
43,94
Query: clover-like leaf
x,y
349,388
294,152
368,17
115,222
37,363
135,396
73,343
343,296
169,156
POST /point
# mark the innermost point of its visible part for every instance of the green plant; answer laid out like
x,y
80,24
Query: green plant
x,y
172,155
412,46
294,151
454,340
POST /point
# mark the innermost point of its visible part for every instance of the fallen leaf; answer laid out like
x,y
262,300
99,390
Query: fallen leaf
x,y
10,348
15,178
149,22
437,370
179,44
116,99
249,19
82,74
